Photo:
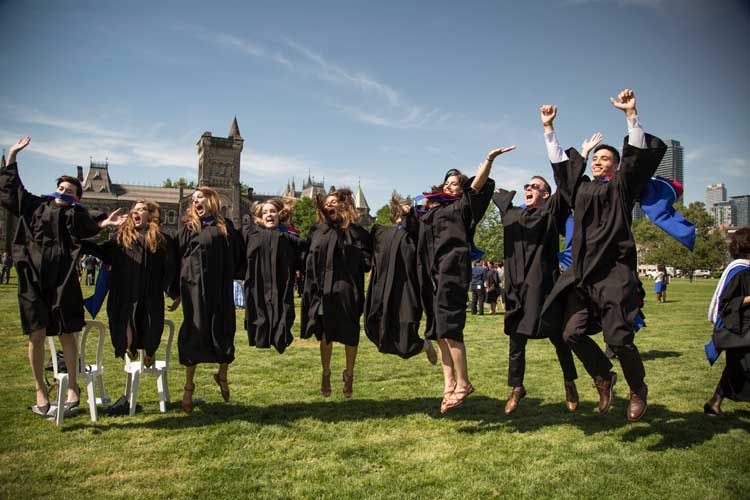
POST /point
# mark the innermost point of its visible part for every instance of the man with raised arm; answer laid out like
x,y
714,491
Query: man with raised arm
x,y
601,290
531,235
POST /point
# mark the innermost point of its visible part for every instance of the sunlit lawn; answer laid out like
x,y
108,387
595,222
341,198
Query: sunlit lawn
x,y
278,437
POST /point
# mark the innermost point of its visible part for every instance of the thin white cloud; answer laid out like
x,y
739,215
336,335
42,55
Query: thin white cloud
x,y
389,109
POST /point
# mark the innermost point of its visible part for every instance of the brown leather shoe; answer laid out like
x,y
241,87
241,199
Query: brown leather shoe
x,y
516,395
713,405
571,395
605,386
638,403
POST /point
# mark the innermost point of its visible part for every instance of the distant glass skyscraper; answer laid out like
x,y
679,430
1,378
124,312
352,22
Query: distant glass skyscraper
x,y
671,167
741,210
714,194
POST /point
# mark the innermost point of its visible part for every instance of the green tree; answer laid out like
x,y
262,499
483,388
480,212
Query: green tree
x,y
383,216
657,247
304,216
489,235
181,182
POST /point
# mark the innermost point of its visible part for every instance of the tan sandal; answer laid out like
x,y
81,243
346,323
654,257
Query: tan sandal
x,y
187,398
325,385
223,386
348,383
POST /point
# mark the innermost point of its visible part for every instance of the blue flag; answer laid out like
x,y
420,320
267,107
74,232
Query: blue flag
x,y
94,303
657,200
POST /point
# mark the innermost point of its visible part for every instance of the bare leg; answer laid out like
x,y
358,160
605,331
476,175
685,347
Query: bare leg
x,y
70,352
187,394
223,370
326,350
458,355
447,361
36,360
351,357
348,376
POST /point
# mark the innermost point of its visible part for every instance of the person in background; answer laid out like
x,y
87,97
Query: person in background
x,y
730,314
492,287
478,277
7,266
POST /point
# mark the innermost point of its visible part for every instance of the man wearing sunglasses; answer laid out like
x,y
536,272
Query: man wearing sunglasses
x,y
531,235
601,290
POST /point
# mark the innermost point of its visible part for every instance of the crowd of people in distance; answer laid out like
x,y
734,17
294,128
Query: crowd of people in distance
x,y
421,266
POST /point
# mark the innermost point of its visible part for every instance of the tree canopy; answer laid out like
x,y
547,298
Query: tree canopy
x,y
304,216
657,247
181,182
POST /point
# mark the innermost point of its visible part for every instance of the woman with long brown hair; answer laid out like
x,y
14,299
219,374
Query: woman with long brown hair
x,y
272,256
143,266
210,251
339,253
446,231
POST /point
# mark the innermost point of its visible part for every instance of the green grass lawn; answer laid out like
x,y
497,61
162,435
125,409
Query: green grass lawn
x,y
278,438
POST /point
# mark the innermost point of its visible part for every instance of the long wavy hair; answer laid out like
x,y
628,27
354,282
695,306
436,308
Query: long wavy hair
x,y
395,206
127,233
213,208
285,207
347,212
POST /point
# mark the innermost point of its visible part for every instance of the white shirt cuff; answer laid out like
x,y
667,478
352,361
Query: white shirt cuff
x,y
554,150
636,136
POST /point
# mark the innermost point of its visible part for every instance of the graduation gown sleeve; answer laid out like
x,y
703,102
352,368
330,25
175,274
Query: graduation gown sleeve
x,y
734,314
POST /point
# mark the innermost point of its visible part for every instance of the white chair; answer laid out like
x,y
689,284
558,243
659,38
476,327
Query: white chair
x,y
91,373
160,369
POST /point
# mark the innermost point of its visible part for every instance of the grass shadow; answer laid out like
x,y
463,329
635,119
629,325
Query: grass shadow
x,y
654,354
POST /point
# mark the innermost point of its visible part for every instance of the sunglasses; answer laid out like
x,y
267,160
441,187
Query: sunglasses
x,y
535,187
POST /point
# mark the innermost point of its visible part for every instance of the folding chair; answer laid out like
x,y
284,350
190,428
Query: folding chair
x,y
91,373
160,369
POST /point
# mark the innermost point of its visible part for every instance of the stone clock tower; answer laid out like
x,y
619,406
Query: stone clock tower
x,y
219,168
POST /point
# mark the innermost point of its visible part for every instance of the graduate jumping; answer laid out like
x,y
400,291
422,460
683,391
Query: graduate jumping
x,y
338,256
273,256
211,257
531,236
392,308
444,253
601,290
46,249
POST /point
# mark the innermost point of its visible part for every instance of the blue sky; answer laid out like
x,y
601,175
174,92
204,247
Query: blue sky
x,y
389,93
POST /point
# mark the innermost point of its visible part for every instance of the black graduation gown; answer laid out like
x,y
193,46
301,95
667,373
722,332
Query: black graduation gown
x,y
209,263
444,259
532,240
46,248
334,295
272,258
604,269
392,308
734,338
138,281
736,317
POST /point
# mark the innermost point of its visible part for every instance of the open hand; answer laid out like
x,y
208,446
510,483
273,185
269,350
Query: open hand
x,y
589,144
497,152
114,219
15,148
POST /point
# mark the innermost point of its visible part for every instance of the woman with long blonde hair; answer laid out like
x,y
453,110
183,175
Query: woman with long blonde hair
x,y
143,265
272,257
210,251
338,256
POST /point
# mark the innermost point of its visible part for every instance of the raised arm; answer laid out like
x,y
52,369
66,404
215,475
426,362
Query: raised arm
x,y
555,152
16,148
626,102
483,172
